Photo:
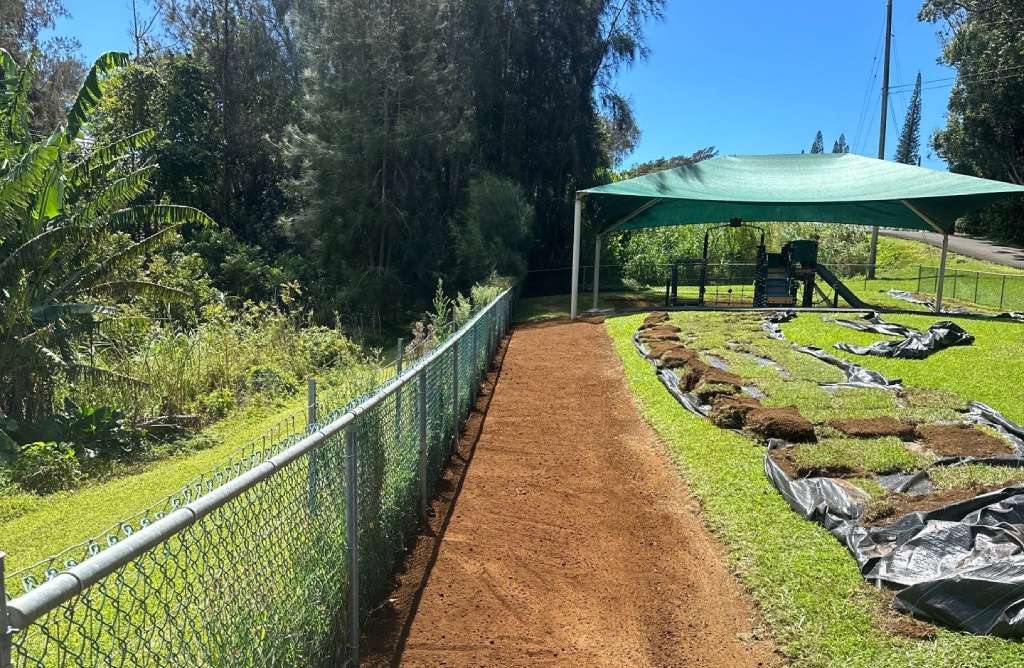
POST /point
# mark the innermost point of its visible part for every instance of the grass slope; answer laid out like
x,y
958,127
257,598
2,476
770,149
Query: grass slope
x,y
44,525
991,370
820,610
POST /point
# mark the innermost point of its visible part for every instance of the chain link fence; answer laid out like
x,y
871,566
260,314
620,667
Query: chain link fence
x,y
277,560
1004,292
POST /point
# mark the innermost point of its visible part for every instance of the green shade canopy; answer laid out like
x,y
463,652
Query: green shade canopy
x,y
818,188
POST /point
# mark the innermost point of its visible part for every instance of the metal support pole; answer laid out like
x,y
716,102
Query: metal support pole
x,y
977,280
873,253
942,274
456,399
400,351
311,420
476,359
352,534
5,626
1002,292
597,269
423,441
920,270
577,227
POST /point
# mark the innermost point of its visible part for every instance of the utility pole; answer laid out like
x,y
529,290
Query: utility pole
x,y
881,128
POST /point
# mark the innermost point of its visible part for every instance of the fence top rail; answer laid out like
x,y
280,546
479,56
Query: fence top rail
x,y
47,596
951,270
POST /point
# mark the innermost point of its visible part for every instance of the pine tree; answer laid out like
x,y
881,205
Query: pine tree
x,y
819,143
908,150
840,146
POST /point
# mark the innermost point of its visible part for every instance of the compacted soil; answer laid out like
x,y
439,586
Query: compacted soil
x,y
572,540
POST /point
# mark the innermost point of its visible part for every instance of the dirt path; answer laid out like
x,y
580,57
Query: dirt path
x,y
573,541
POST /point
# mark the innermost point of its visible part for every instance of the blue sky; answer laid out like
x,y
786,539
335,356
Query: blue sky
x,y
750,76
747,76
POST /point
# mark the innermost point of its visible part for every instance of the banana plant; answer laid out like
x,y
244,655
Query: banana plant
x,y
62,199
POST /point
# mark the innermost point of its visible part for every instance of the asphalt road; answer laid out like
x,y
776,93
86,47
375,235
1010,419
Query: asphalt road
x,y
981,249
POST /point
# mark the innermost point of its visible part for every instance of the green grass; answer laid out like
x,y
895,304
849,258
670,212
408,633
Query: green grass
x,y
819,609
877,455
44,525
991,370
970,475
739,340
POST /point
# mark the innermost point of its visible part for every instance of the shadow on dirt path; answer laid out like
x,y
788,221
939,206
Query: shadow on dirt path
x,y
563,535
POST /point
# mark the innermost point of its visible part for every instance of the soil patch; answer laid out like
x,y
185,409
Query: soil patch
x,y
786,460
574,542
893,506
784,422
654,319
660,333
962,441
730,412
677,356
874,427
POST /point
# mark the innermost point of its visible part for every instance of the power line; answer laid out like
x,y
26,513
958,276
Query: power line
x,y
869,94
967,77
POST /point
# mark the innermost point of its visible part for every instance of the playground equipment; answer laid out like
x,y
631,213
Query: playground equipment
x,y
777,277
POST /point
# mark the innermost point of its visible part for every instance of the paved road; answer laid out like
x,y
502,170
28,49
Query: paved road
x,y
574,542
981,249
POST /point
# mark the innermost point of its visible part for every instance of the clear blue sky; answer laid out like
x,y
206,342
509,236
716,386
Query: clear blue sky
x,y
747,76
751,76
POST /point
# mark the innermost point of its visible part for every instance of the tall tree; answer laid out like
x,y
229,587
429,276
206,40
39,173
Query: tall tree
x,y
57,68
818,146
984,133
383,148
840,145
908,149
543,96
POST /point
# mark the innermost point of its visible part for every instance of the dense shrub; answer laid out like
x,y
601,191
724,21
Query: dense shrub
x,y
46,466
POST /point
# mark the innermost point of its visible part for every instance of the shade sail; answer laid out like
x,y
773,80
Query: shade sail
x,y
816,188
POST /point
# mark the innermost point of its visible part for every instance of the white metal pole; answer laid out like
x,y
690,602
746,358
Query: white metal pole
x,y
942,273
576,231
597,268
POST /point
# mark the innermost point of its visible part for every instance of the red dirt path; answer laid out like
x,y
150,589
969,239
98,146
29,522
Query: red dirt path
x,y
573,541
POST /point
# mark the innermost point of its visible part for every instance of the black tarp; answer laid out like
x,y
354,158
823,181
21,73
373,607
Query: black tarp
x,y
961,565
916,345
856,375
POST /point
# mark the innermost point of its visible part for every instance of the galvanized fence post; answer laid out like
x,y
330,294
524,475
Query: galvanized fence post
x,y
398,392
456,400
1002,292
352,535
977,280
311,420
5,626
423,441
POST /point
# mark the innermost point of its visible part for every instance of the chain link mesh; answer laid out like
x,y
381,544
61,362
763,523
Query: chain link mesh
x,y
264,578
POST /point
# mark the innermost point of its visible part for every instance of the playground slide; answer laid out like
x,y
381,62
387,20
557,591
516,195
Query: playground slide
x,y
841,289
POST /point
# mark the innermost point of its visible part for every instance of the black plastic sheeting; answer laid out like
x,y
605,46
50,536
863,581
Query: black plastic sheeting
x,y
980,413
915,345
856,375
961,565
872,323
905,296
771,324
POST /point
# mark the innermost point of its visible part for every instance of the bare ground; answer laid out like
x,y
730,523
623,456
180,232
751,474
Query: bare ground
x,y
569,539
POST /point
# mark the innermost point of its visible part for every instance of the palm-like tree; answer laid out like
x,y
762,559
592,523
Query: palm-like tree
x,y
62,199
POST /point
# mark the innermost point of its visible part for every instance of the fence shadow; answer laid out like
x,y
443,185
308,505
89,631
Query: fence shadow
x,y
387,629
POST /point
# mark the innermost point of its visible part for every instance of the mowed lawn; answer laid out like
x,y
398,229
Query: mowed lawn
x,y
36,527
991,370
817,606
